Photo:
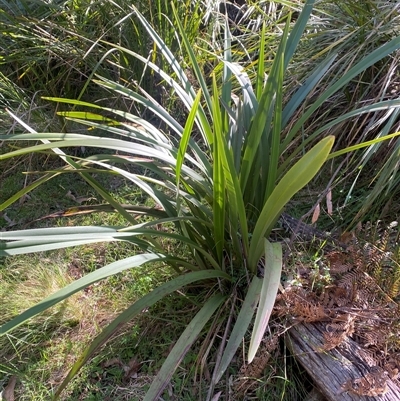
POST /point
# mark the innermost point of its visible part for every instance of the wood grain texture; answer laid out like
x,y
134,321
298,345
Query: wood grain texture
x,y
330,370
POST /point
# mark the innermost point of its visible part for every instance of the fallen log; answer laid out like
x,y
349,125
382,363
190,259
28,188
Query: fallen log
x,y
331,370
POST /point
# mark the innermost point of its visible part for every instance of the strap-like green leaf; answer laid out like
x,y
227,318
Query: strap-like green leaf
x,y
272,276
140,305
297,31
185,138
384,105
239,329
274,151
261,64
263,114
104,272
219,197
363,145
27,189
204,126
182,346
361,66
295,179
303,91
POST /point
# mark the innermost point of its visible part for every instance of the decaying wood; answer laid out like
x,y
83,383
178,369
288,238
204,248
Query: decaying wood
x,y
315,395
330,370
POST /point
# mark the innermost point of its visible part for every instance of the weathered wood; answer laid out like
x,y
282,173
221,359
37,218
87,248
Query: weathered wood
x,y
330,370
315,395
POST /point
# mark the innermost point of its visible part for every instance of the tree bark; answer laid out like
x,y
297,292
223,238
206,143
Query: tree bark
x,y
330,370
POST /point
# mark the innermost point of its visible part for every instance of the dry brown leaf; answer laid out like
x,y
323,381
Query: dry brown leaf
x,y
348,237
112,362
373,384
81,199
132,368
8,392
316,213
329,202
70,196
216,396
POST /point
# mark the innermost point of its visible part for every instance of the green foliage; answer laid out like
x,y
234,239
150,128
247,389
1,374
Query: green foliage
x,y
63,47
353,32
221,181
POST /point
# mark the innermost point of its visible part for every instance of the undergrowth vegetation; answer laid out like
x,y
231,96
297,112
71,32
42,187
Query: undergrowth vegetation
x,y
162,142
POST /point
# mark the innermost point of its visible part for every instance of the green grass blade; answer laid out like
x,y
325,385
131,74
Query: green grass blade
x,y
361,66
362,145
276,132
272,276
140,305
384,105
295,179
182,346
263,114
227,73
218,176
297,31
198,73
242,323
28,189
297,99
261,64
185,138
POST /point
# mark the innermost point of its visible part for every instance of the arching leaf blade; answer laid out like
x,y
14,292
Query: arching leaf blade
x,y
296,178
270,285
182,346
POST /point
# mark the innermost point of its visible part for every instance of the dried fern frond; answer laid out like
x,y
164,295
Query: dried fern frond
x,y
338,262
373,384
359,301
336,332
249,374
308,313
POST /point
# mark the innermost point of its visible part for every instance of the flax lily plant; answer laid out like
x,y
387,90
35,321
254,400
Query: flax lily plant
x,y
222,180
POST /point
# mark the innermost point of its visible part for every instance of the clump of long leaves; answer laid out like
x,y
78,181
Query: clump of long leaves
x,y
370,178
222,180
